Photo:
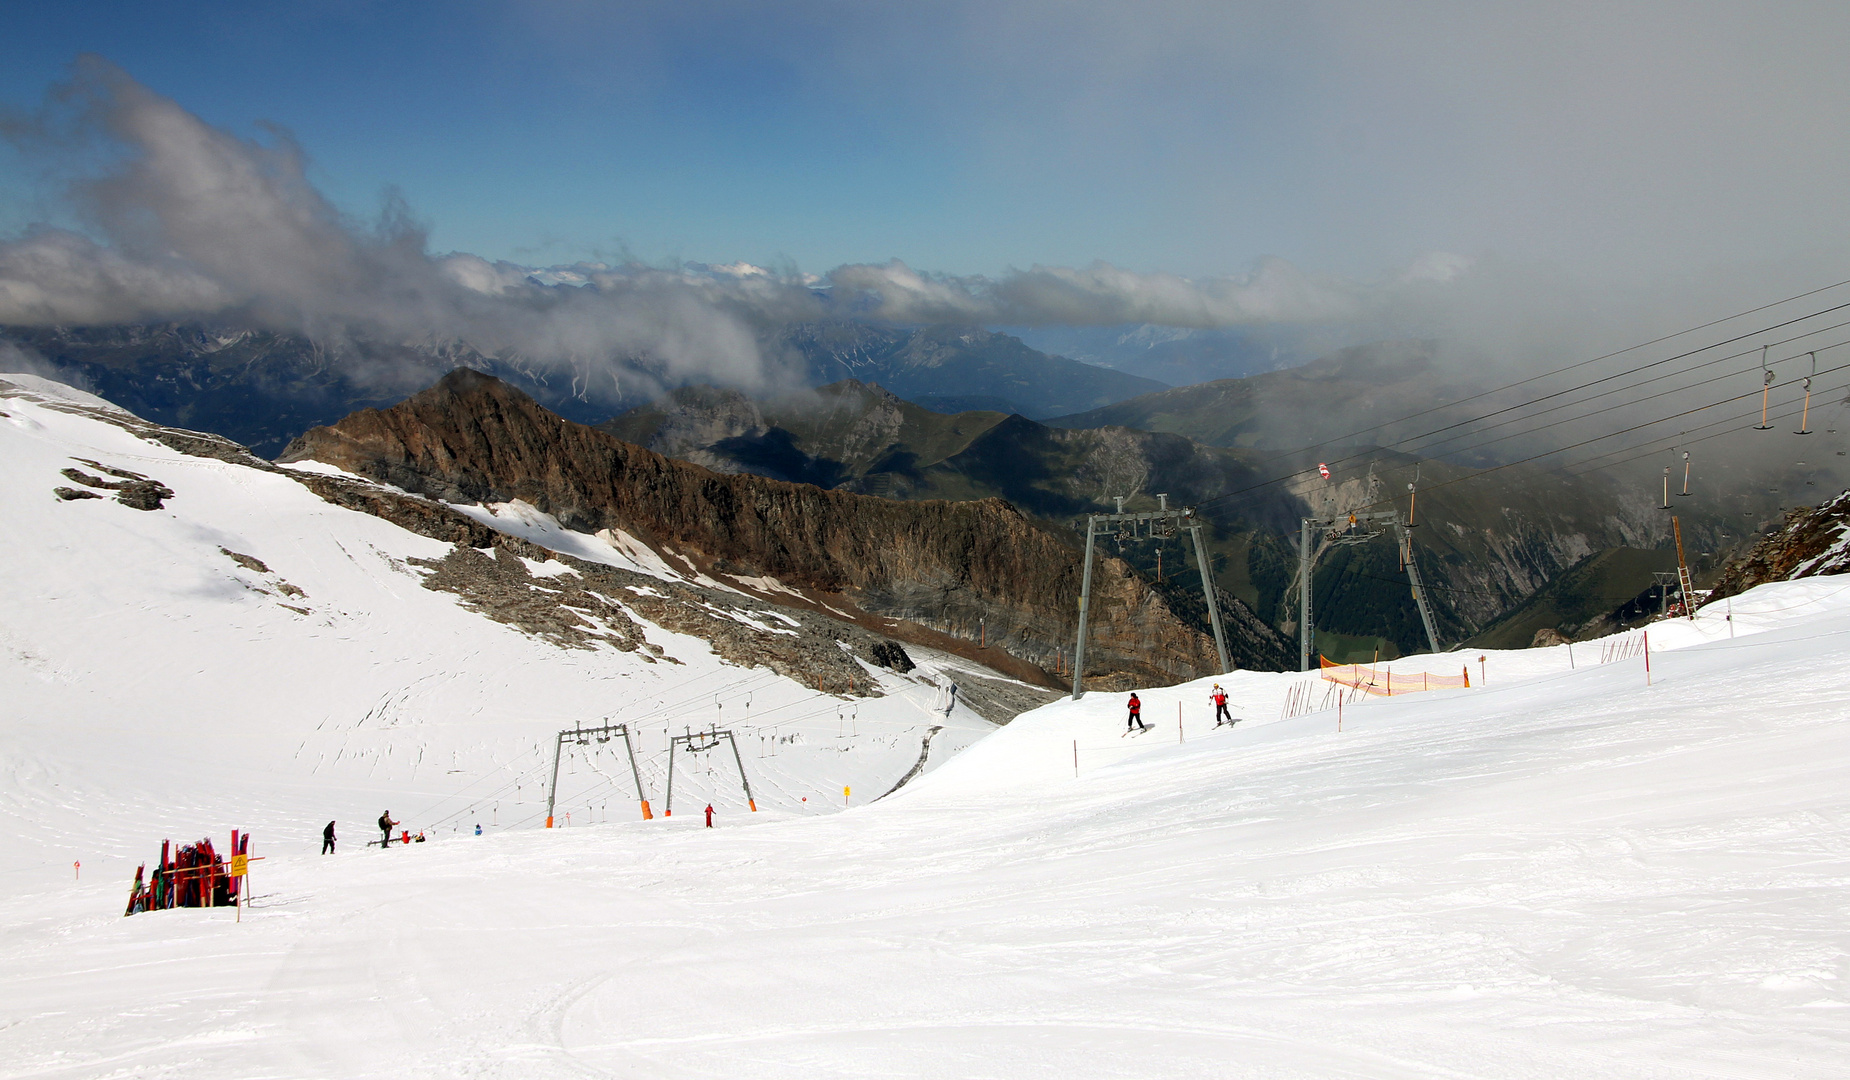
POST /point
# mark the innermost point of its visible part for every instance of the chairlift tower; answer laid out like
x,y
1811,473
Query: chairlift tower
x,y
1344,530
582,736
1159,524
699,742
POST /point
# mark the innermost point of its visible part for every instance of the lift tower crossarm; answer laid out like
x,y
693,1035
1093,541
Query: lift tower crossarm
x,y
1171,521
601,734
1341,530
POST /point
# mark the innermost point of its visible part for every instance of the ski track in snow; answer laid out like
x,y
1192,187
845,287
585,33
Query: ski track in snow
x,y
1562,872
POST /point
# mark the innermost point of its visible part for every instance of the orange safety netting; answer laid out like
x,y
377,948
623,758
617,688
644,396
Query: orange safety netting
x,y
1381,682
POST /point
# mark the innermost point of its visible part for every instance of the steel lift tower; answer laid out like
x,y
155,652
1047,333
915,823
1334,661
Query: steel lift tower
x,y
1159,524
1343,530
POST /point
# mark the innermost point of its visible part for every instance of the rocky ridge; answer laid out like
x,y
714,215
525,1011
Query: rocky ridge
x,y
1812,541
976,577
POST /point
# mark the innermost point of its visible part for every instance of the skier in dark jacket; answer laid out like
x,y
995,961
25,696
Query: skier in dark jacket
x,y
1135,720
327,839
385,830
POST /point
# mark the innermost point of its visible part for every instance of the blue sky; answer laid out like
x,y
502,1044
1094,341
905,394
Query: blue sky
x,y
1598,144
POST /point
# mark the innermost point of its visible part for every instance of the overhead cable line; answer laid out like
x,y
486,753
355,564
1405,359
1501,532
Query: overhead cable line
x,y
1360,455
1621,405
1430,451
1562,370
1584,442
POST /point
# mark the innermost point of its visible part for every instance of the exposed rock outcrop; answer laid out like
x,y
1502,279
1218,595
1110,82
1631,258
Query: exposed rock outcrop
x,y
1811,542
926,571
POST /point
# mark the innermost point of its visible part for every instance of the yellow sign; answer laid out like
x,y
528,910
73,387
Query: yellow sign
x,y
844,792
240,865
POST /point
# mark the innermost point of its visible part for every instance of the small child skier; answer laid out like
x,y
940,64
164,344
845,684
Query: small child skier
x,y
1221,716
1135,719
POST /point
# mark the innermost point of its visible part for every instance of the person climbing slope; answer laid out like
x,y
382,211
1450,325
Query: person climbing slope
x,y
1219,697
1135,719
385,829
327,839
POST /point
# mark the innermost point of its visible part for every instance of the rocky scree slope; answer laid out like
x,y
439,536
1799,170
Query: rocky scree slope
x,y
1811,542
950,575
576,604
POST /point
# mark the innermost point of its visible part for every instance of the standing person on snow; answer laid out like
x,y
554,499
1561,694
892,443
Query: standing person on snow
x,y
1219,697
385,829
709,815
327,839
1135,720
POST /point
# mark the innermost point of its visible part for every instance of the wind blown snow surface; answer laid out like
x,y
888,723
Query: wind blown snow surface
x,y
1562,872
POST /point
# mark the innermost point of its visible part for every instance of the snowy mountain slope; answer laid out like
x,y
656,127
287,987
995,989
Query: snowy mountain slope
x,y
1567,873
1563,871
251,656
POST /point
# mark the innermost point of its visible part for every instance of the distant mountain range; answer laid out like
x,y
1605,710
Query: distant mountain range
x,y
262,388
959,368
1244,449
1486,545
1179,356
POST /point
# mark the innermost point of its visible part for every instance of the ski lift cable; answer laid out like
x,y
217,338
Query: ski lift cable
x,y
1610,408
1726,423
1721,422
1301,451
1292,454
1584,466
1621,352
1432,450
1655,449
531,770
1376,450
1584,442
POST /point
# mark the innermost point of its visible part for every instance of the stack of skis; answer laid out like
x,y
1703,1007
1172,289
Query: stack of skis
x,y
193,876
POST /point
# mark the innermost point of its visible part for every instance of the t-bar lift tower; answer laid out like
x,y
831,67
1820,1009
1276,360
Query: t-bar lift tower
x,y
700,742
1158,524
582,736
1343,530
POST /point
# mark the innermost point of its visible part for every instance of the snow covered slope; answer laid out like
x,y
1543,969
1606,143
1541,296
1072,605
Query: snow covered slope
x,y
1563,873
251,656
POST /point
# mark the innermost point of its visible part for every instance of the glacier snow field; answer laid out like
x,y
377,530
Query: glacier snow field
x,y
1560,872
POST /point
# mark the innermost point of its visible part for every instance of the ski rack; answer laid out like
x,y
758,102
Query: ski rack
x,y
707,739
1160,524
582,736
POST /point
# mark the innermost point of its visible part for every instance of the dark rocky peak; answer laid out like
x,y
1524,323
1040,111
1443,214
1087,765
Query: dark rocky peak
x,y
927,571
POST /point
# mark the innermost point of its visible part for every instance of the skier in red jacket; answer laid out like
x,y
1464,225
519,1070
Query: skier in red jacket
x,y
1221,716
1135,719
709,815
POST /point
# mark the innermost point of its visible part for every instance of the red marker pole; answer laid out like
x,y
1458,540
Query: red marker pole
x,y
1647,657
77,871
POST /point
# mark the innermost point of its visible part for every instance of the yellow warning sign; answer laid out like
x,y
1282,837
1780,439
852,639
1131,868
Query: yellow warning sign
x,y
240,865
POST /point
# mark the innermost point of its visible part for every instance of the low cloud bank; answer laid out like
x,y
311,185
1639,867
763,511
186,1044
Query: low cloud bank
x,y
180,220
